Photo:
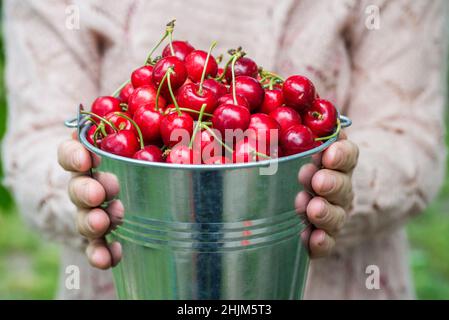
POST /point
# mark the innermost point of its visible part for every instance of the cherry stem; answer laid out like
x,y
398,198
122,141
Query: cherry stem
x,y
192,111
97,130
158,93
337,131
198,125
117,92
203,75
169,72
234,94
271,85
229,149
260,154
220,78
139,132
168,32
268,74
101,119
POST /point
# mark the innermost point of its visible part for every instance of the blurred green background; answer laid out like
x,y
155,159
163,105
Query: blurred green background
x,y
29,265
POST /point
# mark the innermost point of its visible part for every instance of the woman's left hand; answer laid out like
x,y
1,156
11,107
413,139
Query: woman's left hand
x,y
331,183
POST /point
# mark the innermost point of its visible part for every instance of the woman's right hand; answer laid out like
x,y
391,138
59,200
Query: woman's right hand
x,y
88,193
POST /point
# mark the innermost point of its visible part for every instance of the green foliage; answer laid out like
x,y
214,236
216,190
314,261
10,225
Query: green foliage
x,y
28,266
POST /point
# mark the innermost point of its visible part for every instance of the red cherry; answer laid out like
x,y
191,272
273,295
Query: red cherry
x,y
244,66
245,151
149,121
177,78
232,117
217,160
286,117
144,96
181,48
119,122
181,154
149,153
190,97
142,76
263,128
299,92
183,124
273,99
122,143
218,88
126,92
296,139
104,105
321,117
251,89
205,140
195,62
229,99
90,136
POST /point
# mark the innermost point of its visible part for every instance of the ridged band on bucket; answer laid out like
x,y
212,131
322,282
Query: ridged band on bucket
x,y
211,236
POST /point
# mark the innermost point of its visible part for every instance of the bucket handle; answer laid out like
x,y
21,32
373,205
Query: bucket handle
x,y
73,123
345,121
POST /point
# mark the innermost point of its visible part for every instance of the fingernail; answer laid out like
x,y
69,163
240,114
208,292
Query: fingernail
x,y
322,211
338,157
327,182
77,158
90,217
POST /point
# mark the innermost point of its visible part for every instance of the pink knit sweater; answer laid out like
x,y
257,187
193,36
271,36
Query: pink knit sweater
x,y
389,80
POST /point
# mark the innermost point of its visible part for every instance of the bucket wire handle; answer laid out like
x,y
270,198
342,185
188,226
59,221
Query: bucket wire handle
x,y
345,121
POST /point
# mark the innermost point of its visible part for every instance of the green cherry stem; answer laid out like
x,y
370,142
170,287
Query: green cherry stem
x,y
198,125
168,31
216,138
234,94
221,76
159,89
96,136
269,74
117,91
203,75
260,154
101,119
139,132
192,111
337,131
169,72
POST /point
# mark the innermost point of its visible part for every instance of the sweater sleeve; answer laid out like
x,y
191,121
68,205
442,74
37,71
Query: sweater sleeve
x,y
51,65
397,104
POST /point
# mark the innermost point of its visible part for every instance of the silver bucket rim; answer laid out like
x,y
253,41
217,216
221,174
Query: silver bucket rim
x,y
82,126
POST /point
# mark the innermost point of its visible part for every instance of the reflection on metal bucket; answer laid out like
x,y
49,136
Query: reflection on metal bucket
x,y
209,232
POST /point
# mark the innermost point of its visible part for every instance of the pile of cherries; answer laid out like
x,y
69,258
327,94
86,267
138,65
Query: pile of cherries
x,y
183,108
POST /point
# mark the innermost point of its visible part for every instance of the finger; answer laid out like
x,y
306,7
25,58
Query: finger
x,y
115,249
326,216
72,156
301,201
305,175
92,224
86,192
342,135
335,186
96,160
341,155
320,244
109,182
116,212
98,254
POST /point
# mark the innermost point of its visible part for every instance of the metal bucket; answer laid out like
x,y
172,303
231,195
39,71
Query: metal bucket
x,y
208,231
